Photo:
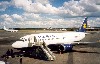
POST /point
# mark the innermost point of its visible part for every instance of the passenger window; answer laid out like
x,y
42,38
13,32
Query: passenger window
x,y
57,38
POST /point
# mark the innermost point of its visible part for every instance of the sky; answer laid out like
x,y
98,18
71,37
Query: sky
x,y
48,13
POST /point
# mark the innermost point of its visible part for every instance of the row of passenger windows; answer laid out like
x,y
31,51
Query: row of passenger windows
x,y
51,39
46,36
46,39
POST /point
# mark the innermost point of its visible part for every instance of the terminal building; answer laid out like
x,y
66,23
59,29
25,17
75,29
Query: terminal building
x,y
93,29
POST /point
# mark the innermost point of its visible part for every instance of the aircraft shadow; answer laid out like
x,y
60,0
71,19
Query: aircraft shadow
x,y
84,51
36,54
72,51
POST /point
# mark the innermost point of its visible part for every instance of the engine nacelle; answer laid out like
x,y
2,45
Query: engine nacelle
x,y
60,47
65,47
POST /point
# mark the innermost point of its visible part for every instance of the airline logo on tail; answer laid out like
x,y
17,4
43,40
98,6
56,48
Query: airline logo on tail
x,y
84,26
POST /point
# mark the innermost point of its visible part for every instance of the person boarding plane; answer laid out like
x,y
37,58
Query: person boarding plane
x,y
9,30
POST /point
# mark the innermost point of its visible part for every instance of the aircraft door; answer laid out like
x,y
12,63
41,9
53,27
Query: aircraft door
x,y
35,40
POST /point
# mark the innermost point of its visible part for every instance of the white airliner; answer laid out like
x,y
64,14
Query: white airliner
x,y
9,30
65,40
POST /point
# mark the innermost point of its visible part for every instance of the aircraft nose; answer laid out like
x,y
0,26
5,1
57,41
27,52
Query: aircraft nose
x,y
17,44
20,44
14,45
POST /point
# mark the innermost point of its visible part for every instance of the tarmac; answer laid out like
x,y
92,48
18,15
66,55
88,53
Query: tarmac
x,y
81,54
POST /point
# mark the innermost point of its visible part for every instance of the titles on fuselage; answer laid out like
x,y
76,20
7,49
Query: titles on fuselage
x,y
49,37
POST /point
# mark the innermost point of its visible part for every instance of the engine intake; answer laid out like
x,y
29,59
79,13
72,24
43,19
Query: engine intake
x,y
65,47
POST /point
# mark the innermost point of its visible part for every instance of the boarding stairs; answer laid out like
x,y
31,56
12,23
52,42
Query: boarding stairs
x,y
44,47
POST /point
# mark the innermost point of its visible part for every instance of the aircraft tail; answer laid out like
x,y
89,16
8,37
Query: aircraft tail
x,y
84,26
5,28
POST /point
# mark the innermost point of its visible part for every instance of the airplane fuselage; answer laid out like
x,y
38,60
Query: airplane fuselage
x,y
50,38
63,40
58,38
12,30
9,30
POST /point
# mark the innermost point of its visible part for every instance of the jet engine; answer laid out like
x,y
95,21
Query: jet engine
x,y
61,47
65,47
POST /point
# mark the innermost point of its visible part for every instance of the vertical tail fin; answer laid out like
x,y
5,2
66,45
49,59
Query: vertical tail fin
x,y
84,26
5,28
